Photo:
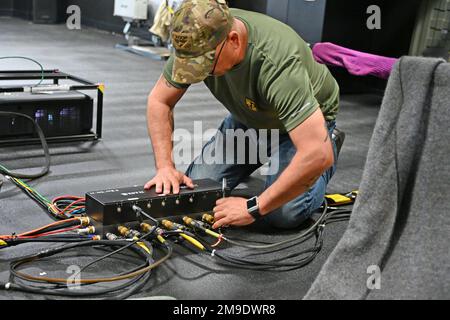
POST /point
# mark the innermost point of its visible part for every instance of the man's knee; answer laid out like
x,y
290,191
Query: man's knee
x,y
295,212
289,216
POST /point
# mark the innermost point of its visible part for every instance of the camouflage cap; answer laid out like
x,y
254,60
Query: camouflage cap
x,y
198,27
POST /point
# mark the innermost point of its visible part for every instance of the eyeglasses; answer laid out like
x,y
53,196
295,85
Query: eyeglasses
x,y
217,59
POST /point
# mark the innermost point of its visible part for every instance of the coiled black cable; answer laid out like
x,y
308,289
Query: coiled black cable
x,y
44,144
58,289
289,262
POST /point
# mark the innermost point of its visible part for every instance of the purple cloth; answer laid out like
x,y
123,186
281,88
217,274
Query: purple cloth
x,y
356,62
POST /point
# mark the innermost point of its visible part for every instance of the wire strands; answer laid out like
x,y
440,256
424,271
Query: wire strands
x,y
54,232
64,207
55,208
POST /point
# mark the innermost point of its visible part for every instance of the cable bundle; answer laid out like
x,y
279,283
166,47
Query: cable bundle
x,y
61,207
64,207
133,241
292,259
259,260
54,232
136,278
69,205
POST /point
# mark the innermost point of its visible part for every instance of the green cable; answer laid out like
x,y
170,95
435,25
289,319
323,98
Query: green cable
x,y
29,59
37,194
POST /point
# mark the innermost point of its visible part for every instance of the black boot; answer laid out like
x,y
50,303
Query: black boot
x,y
338,138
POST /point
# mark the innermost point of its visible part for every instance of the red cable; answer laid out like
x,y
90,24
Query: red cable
x,y
66,197
71,205
219,241
50,233
38,229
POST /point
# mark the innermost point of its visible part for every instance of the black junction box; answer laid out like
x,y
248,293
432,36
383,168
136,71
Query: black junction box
x,y
113,207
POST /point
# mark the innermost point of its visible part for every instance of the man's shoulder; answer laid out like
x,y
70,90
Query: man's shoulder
x,y
270,38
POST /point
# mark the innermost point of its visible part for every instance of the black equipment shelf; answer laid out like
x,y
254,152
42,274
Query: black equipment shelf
x,y
55,76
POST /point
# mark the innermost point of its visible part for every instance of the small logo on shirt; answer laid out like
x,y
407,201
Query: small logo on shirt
x,y
251,104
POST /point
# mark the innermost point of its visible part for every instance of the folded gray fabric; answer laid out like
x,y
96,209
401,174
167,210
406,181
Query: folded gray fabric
x,y
401,220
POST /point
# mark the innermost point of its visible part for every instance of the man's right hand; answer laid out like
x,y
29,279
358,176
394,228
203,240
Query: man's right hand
x,y
169,179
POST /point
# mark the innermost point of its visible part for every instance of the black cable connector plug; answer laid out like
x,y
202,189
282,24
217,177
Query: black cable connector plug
x,y
139,213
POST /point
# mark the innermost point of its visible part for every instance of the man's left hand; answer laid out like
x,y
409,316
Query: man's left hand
x,y
231,212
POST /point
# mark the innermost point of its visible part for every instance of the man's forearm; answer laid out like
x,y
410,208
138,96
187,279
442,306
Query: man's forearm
x,y
299,176
160,127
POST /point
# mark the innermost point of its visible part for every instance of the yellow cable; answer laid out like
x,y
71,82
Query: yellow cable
x,y
51,206
161,239
192,240
142,245
54,209
212,233
23,185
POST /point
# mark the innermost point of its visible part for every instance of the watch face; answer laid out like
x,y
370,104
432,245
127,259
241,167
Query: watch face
x,y
251,203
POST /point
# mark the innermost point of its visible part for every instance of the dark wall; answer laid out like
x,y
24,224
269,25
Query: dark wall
x,y
23,9
98,14
337,21
346,25
6,7
307,18
341,22
251,5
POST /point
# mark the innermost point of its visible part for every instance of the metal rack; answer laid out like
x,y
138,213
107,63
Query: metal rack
x,y
56,76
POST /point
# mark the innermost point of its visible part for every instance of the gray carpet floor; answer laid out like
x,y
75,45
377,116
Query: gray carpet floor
x,y
124,157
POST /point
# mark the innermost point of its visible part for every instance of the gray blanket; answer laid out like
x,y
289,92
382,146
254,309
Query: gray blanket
x,y
401,221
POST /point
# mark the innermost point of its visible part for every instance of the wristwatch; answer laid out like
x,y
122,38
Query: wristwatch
x,y
253,208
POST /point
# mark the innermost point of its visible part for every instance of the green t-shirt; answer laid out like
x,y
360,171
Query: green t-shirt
x,y
278,85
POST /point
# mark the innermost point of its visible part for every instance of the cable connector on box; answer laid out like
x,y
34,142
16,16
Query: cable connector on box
x,y
169,225
84,221
200,225
139,213
124,231
208,218
86,231
112,236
